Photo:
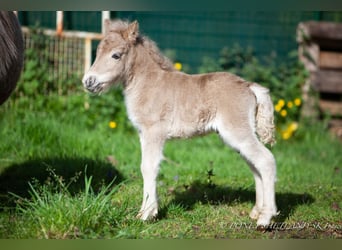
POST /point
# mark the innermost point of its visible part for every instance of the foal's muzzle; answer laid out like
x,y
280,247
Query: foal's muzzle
x,y
92,84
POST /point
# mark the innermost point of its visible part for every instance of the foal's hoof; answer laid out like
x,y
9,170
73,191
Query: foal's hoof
x,y
264,220
262,228
254,214
147,214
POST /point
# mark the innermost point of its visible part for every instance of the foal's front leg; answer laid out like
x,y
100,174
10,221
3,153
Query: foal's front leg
x,y
151,149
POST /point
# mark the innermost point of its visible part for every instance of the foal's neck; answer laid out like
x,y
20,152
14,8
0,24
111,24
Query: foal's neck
x,y
143,67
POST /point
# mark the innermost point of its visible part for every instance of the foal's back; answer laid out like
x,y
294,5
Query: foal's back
x,y
192,104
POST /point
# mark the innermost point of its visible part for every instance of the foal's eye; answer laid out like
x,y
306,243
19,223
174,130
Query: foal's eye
x,y
116,56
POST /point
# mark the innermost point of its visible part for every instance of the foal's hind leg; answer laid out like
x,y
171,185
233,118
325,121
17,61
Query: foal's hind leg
x,y
259,193
263,167
151,148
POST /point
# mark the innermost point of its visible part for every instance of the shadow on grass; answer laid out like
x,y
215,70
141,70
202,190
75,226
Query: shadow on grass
x,y
15,178
216,195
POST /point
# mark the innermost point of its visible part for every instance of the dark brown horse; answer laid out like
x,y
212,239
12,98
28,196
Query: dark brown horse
x,y
11,53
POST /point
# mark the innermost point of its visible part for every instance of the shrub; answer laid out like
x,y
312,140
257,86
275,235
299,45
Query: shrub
x,y
64,96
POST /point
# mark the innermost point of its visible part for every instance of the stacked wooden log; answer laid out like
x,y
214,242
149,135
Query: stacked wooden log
x,y
320,50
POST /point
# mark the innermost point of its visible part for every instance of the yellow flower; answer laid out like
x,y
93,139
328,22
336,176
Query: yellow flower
x,y
289,104
286,135
288,132
293,126
281,103
297,102
277,107
178,66
283,113
112,124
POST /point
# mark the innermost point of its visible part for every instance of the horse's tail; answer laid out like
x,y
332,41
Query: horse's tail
x,y
264,114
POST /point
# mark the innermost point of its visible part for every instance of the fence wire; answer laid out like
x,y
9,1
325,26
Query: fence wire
x,y
66,56
192,35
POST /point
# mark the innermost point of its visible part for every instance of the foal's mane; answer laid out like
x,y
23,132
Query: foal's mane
x,y
151,47
155,54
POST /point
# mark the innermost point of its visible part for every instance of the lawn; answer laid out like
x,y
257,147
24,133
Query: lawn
x,y
62,179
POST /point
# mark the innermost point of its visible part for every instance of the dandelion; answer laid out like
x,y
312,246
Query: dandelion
x,y
289,104
178,66
283,113
277,108
288,132
286,135
293,126
112,124
281,103
297,102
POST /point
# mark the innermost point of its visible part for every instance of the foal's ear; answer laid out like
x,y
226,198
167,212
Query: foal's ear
x,y
132,32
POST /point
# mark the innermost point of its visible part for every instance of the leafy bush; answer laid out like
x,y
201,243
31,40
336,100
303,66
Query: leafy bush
x,y
39,91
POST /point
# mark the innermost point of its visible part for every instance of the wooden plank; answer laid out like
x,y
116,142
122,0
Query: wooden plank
x,y
328,35
335,122
329,81
327,30
68,34
335,126
309,56
330,60
331,107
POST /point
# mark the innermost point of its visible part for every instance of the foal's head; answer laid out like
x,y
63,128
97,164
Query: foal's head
x,y
112,56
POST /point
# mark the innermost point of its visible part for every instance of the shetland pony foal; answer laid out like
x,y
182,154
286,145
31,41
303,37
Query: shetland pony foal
x,y
163,103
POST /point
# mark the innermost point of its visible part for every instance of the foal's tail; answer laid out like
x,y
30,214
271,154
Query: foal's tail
x,y
264,114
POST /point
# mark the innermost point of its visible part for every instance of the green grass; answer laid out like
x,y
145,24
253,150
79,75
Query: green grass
x,y
53,212
52,153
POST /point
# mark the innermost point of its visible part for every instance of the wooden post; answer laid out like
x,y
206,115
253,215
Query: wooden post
x,y
59,23
87,53
105,15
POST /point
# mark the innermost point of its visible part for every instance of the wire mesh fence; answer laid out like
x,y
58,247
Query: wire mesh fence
x,y
194,35
64,56
191,35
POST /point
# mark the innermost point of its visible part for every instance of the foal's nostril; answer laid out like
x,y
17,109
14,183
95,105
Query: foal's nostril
x,y
89,81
